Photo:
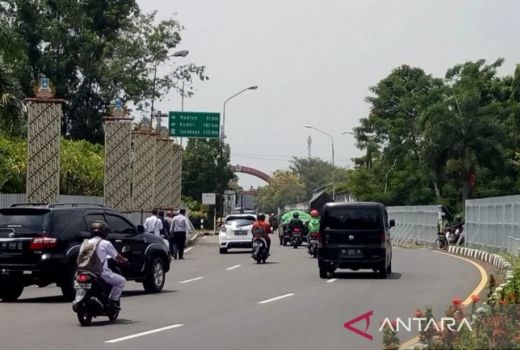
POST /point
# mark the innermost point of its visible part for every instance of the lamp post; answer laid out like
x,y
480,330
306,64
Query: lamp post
x,y
333,166
223,136
181,53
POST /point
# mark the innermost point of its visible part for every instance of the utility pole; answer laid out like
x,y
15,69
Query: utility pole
x,y
309,146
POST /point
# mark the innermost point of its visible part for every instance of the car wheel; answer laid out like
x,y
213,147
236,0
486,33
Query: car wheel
x,y
223,250
10,292
155,277
67,285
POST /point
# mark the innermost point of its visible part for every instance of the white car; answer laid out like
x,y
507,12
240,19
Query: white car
x,y
236,232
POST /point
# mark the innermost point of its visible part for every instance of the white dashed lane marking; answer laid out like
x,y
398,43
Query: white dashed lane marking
x,y
192,280
276,298
137,335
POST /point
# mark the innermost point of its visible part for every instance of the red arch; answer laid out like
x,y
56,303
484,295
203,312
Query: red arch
x,y
251,171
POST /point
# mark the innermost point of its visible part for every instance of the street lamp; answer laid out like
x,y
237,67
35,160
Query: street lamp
x,y
223,136
368,145
333,166
181,53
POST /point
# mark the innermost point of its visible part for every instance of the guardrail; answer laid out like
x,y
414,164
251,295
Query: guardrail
x,y
494,222
416,224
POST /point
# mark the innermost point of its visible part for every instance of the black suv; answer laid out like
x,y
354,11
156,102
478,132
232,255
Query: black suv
x,y
39,245
355,236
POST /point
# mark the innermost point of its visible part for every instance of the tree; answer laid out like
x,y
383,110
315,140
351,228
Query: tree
x,y
11,108
205,168
313,173
92,51
285,188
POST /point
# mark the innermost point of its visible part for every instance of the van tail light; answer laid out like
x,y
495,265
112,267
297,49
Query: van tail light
x,y
42,243
383,237
83,278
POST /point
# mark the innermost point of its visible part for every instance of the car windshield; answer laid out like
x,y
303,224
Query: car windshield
x,y
353,218
23,221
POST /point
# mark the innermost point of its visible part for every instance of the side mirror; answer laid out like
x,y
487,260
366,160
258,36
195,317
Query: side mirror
x,y
392,223
140,229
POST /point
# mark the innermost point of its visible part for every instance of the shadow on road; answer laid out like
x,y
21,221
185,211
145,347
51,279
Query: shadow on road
x,y
364,275
119,321
135,293
52,299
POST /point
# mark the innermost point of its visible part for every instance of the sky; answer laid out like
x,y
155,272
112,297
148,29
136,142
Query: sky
x,y
314,62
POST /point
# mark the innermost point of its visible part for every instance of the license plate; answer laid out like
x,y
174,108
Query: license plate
x,y
11,245
82,285
351,253
240,233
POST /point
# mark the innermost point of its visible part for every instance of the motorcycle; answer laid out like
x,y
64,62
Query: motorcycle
x,y
313,244
442,242
92,298
260,253
296,237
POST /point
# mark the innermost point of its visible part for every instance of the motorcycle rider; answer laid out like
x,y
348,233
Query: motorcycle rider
x,y
260,223
314,223
99,233
296,222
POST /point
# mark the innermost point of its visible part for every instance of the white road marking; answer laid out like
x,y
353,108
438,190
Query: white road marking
x,y
332,280
193,279
187,250
132,336
233,267
277,298
204,237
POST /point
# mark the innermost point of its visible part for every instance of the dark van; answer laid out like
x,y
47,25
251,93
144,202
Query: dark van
x,y
355,236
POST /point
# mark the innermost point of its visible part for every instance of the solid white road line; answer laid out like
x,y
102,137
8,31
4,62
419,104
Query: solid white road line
x,y
188,249
204,237
132,336
193,279
233,267
332,280
277,298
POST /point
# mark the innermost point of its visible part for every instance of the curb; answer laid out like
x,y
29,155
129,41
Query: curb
x,y
504,267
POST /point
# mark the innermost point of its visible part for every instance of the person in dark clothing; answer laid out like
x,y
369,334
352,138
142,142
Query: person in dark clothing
x,y
180,226
273,222
165,224
296,222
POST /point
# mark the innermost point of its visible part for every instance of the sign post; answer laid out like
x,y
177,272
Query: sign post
x,y
211,199
194,124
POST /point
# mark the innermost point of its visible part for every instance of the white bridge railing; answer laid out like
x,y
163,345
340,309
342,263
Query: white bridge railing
x,y
414,223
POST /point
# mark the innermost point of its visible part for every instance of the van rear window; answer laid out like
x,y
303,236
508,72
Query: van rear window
x,y
352,218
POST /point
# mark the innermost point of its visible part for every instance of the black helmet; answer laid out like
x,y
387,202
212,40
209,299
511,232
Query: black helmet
x,y
99,228
261,217
295,215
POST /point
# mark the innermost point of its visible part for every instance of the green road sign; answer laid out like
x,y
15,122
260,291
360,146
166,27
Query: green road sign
x,y
194,124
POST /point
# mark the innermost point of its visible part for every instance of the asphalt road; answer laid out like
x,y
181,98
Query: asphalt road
x,y
214,301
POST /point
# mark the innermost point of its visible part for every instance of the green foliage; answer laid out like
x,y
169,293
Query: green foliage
x,y
285,188
11,109
92,51
81,164
427,138
13,154
205,168
82,168
313,172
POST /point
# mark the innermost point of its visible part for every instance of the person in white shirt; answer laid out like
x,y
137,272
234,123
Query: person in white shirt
x,y
105,249
180,226
153,224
